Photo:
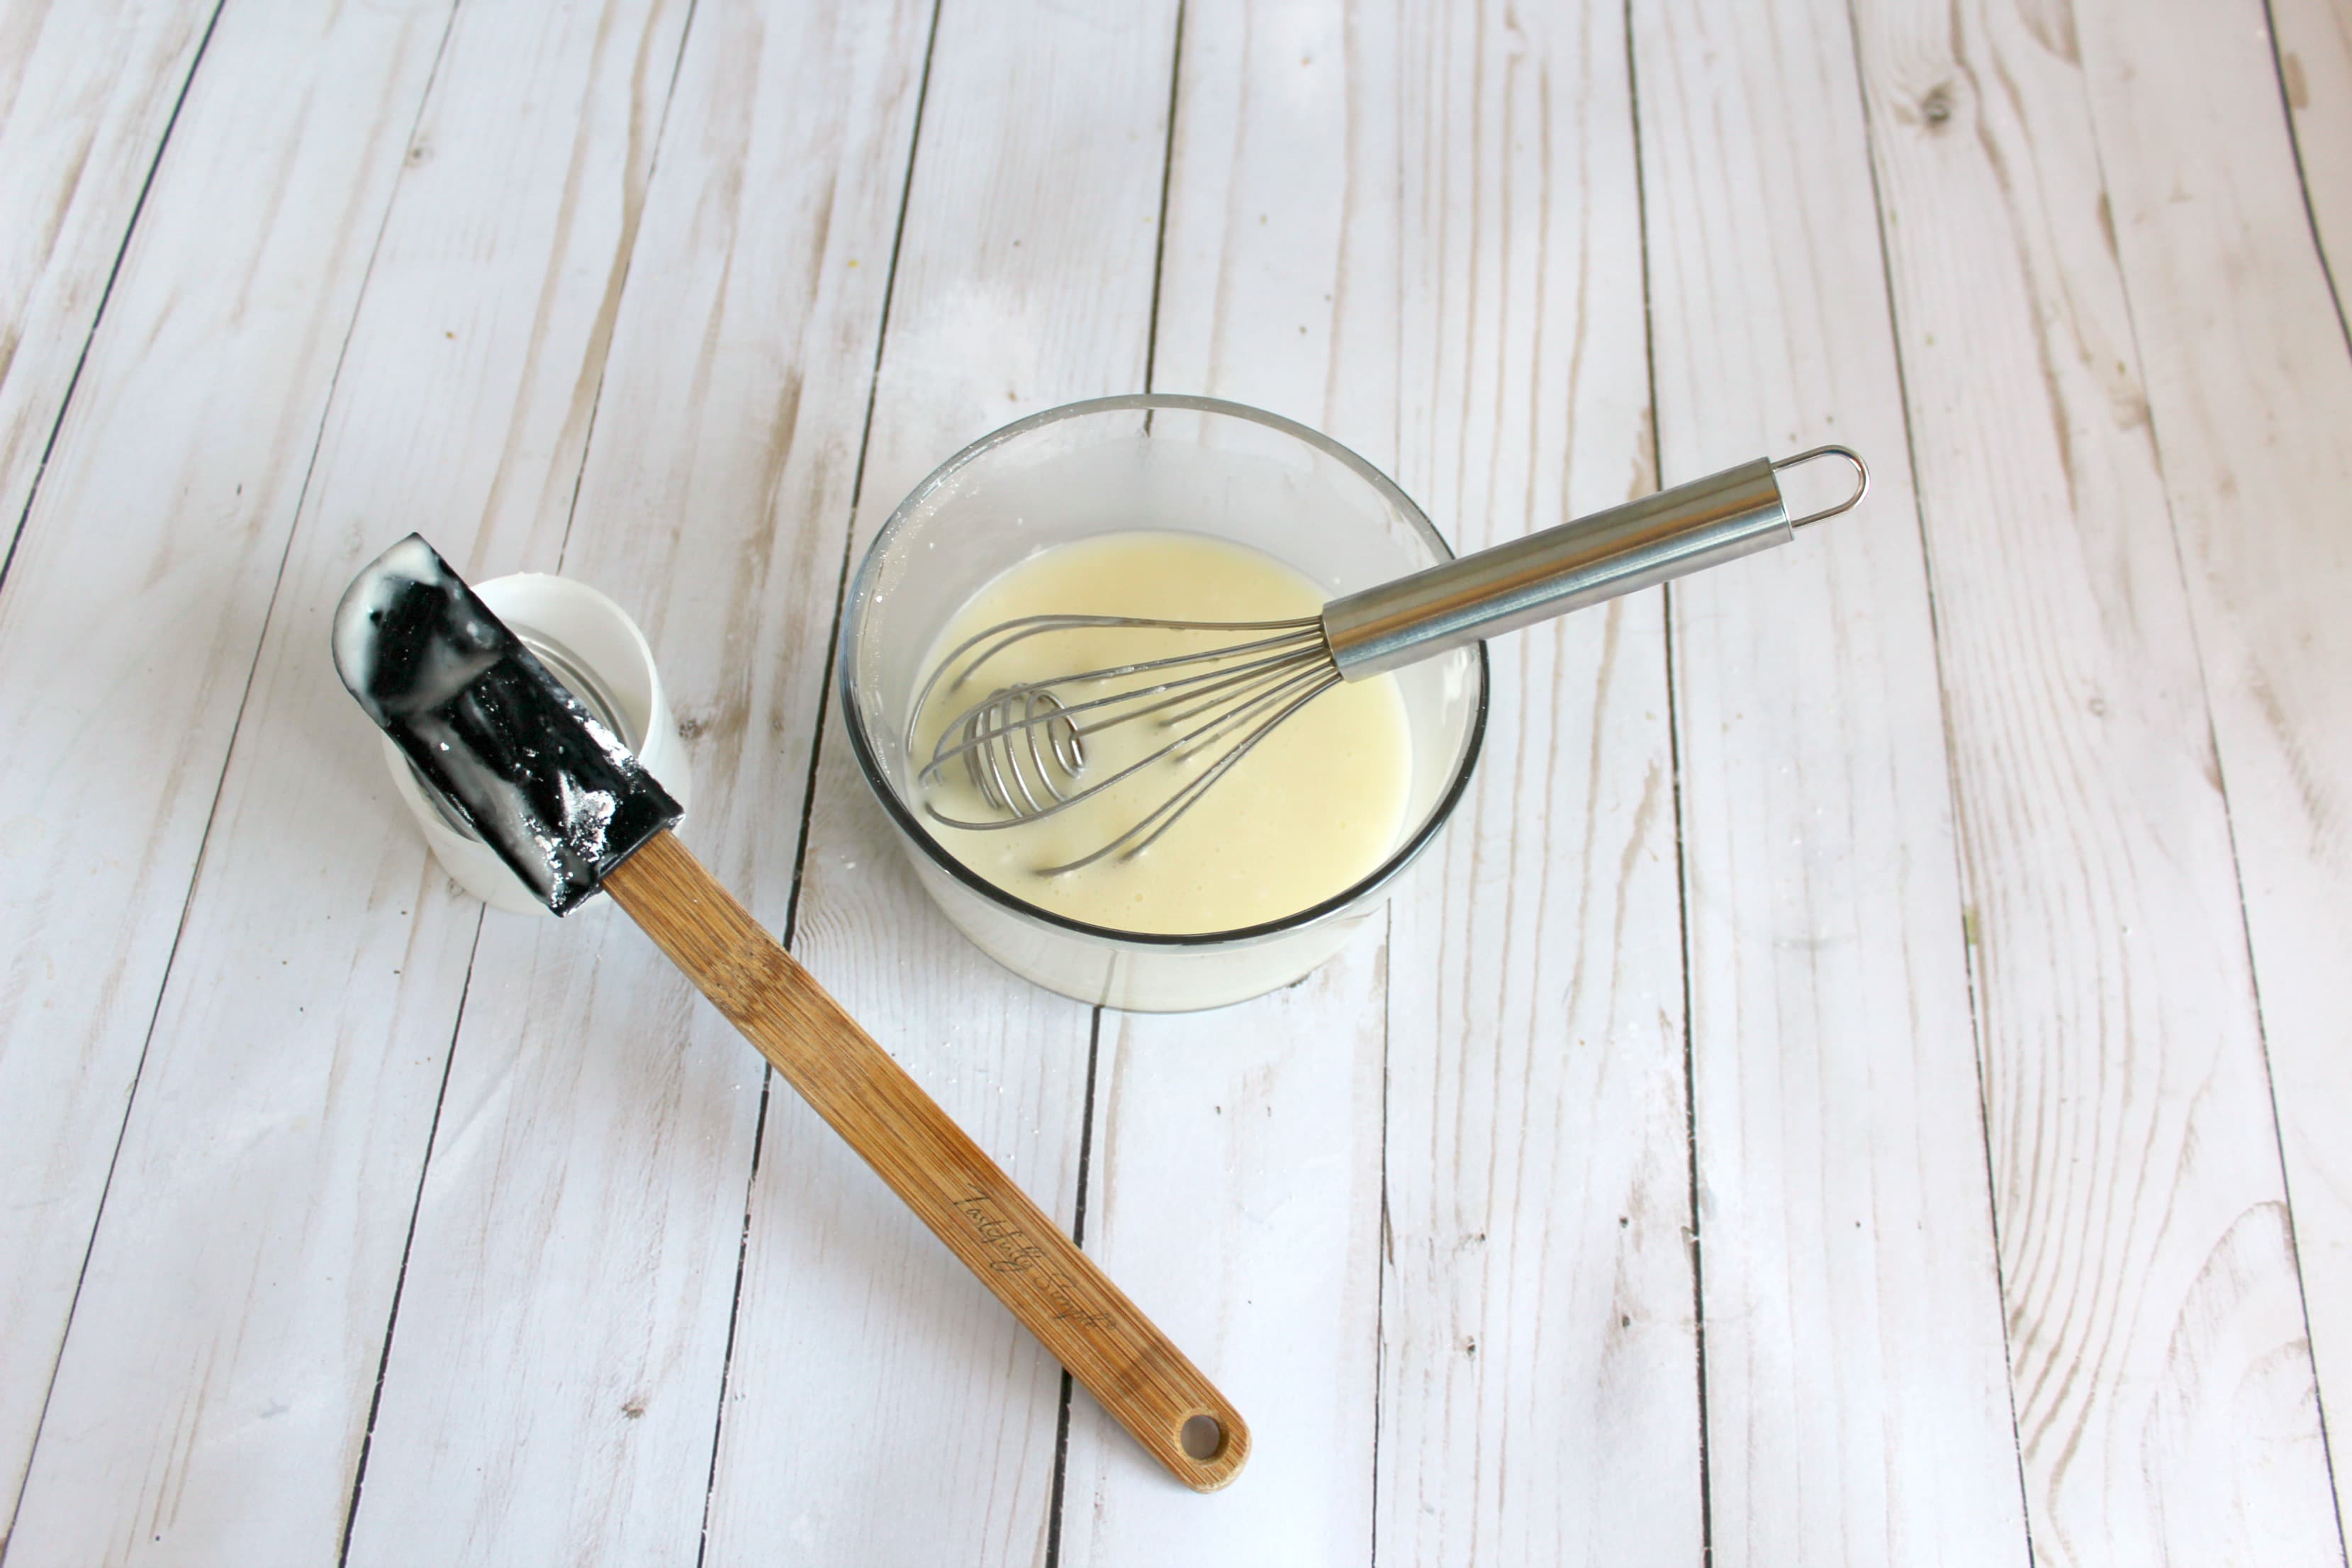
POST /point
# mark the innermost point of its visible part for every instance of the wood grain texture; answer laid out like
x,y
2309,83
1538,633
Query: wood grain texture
x,y
1023,280
1856,1401
86,93
2251,397
577,1240
1234,1174
2150,1270
1537,1137
1027,1261
2312,40
142,578
270,1166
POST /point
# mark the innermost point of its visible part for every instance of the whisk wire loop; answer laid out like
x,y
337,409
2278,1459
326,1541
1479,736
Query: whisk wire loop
x,y
1200,688
1004,635
990,756
1021,743
1163,817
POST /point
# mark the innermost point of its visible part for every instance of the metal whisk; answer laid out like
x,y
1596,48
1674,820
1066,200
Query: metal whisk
x,y
1021,744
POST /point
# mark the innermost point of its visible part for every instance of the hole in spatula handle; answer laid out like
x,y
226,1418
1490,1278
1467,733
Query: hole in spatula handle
x,y
1204,1437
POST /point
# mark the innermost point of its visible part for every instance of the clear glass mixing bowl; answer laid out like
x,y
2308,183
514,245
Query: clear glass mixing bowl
x,y
1190,464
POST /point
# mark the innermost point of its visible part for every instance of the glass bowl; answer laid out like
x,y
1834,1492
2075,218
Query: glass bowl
x,y
1193,464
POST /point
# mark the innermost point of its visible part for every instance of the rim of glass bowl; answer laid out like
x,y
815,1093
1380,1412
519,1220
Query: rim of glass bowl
x,y
909,819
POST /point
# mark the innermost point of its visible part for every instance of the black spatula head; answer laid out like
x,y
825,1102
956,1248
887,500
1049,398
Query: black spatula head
x,y
520,758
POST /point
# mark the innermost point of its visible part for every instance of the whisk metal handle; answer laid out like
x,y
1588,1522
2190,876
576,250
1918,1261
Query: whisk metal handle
x,y
1670,535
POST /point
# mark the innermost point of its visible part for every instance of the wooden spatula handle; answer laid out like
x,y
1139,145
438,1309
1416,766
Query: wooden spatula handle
x,y
1034,1269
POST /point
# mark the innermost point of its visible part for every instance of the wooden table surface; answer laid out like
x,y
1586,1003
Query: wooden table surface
x,y
1864,1079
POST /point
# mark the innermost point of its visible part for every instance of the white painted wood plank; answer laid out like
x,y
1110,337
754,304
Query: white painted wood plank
x,y
2251,389
2314,42
139,589
271,1161
1233,1190
1025,280
1233,1184
85,92
2162,1381
1856,1400
1540,1371
573,1272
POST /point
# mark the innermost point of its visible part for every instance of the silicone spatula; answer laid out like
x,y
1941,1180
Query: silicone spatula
x,y
567,805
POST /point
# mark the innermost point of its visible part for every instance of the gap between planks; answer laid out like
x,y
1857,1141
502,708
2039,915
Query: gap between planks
x,y
1681,867
97,315
1057,1496
2287,93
